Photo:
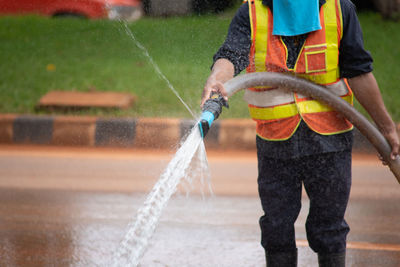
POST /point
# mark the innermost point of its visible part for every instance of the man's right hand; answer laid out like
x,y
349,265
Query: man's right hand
x,y
213,86
223,70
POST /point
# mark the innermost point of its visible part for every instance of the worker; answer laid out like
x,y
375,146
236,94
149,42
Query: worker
x,y
301,141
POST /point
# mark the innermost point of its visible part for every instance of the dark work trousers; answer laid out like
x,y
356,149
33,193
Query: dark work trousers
x,y
327,180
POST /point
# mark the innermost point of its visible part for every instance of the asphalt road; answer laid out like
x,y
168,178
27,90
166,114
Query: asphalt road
x,y
71,207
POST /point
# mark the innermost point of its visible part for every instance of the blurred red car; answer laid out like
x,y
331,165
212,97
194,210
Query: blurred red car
x,y
112,9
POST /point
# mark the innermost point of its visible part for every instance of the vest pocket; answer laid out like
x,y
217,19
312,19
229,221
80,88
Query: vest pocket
x,y
316,58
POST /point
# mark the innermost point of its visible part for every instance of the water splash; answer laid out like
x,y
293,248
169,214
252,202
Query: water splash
x,y
154,64
139,232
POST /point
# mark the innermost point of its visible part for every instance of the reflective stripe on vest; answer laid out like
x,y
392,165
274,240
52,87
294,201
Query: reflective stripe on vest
x,y
280,96
290,110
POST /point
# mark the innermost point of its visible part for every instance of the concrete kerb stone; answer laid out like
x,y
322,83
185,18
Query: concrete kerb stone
x,y
238,133
157,133
146,133
6,128
74,131
29,129
115,132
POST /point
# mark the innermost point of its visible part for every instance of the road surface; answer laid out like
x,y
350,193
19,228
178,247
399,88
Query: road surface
x,y
71,207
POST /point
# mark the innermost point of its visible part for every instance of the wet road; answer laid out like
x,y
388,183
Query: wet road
x,y
70,207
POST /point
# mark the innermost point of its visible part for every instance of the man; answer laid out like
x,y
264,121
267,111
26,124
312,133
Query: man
x,y
299,140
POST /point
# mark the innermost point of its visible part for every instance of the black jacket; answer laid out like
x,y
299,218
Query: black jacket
x,y
353,58
353,61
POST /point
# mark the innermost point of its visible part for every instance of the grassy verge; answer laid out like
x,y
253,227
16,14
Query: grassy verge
x,y
381,39
42,54
99,55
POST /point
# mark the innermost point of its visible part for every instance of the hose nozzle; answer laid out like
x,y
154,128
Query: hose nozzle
x,y
211,110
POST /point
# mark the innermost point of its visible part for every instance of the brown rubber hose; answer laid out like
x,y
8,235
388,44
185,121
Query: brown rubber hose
x,y
317,92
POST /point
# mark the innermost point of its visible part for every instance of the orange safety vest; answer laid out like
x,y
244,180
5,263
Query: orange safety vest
x,y
277,111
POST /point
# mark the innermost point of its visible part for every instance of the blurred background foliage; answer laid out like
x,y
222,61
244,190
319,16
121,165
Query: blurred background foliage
x,y
42,54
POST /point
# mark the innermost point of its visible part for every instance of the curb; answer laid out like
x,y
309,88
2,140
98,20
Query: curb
x,y
143,133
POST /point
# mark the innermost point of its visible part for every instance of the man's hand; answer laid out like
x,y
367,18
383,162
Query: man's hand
x,y
393,139
367,92
223,70
213,86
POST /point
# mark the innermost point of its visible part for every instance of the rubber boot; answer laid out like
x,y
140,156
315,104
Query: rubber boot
x,y
281,259
332,260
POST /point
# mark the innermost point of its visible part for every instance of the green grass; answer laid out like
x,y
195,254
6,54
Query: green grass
x,y
100,55
382,39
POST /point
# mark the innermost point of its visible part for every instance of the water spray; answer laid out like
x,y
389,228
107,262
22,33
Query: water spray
x,y
212,108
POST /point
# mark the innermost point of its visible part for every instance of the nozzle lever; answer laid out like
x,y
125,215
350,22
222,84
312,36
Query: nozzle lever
x,y
211,110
